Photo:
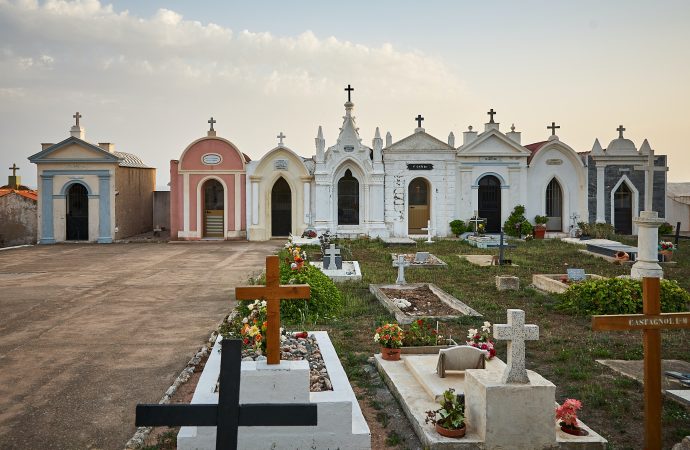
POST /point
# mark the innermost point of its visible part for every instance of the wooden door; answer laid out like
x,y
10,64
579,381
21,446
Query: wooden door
x,y
622,209
419,211
489,203
214,224
281,209
77,213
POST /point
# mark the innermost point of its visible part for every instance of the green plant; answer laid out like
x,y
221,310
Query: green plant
x,y
665,228
451,414
597,230
421,332
389,335
458,227
326,301
618,296
540,220
516,224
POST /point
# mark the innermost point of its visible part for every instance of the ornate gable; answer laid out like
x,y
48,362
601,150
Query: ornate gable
x,y
493,143
74,149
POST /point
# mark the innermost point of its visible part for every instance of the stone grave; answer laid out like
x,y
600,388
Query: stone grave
x,y
492,260
558,283
484,241
335,268
507,406
603,248
409,302
302,241
420,259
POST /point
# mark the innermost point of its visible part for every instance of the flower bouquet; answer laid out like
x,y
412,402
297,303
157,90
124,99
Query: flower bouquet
x,y
482,339
296,257
567,417
389,337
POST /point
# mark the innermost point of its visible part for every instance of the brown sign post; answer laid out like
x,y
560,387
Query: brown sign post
x,y
651,321
273,293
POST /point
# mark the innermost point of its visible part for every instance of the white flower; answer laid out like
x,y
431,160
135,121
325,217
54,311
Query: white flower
x,y
251,306
376,337
293,266
263,303
471,332
245,320
486,327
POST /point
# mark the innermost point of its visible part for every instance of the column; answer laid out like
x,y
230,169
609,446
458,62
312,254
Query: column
x,y
601,204
104,233
307,203
238,203
647,264
255,202
185,204
46,198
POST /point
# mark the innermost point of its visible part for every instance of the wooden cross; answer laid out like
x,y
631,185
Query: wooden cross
x,y
77,116
228,414
651,322
419,119
273,293
649,170
14,169
620,130
516,333
491,113
349,91
212,121
553,128
281,136
332,252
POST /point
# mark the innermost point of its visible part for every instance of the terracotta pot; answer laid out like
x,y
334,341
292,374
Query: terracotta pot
x,y
539,232
622,256
390,354
577,431
668,255
460,432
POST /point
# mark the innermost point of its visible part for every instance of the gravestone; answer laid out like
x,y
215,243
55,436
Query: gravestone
x,y
576,274
332,260
401,264
421,257
429,232
516,333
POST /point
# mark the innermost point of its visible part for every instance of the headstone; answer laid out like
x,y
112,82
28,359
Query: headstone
x,y
401,263
516,333
507,283
421,257
332,259
460,357
576,274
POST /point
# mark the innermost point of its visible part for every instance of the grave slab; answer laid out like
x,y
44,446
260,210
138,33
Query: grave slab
x,y
300,241
680,395
635,370
349,272
551,282
486,241
478,260
398,241
431,262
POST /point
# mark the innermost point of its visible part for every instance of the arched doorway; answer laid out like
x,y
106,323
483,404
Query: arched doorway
x,y
418,209
622,209
281,208
348,200
554,206
214,205
489,201
77,213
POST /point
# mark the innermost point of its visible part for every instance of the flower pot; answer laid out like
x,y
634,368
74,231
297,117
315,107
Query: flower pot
x,y
460,432
575,431
668,255
390,354
539,232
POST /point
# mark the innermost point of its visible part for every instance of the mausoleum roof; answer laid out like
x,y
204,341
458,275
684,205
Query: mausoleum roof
x,y
130,160
621,146
26,192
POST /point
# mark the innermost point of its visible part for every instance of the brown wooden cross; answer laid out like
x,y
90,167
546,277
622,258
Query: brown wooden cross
x,y
273,293
651,321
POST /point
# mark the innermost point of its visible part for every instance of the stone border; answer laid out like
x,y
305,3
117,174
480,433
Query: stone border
x,y
404,318
340,276
438,262
550,282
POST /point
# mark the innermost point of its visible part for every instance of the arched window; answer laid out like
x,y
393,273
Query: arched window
x,y
348,200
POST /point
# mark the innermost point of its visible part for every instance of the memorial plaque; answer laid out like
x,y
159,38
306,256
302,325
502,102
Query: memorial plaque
x,y
421,257
211,159
576,274
349,148
280,164
419,166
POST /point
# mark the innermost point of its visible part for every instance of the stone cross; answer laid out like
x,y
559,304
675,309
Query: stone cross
x,y
281,136
349,91
228,414
273,293
212,121
553,128
14,169
429,231
77,116
332,252
620,130
401,263
651,322
419,119
516,333
491,113
649,170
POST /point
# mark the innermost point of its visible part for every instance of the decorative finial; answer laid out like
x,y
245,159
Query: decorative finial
x,y
212,121
491,114
620,130
512,128
77,116
281,136
469,128
553,128
349,90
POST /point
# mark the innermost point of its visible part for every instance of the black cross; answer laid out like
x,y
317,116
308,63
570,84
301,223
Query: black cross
x,y
553,128
419,119
349,91
14,169
501,247
491,113
228,414
77,116
620,130
212,121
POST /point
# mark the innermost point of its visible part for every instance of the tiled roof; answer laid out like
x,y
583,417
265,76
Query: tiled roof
x,y
30,194
130,160
534,148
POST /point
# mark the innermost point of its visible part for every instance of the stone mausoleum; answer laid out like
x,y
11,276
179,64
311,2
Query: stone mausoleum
x,y
17,212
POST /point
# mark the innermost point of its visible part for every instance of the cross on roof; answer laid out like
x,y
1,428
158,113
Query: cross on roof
x,y
516,333
228,414
14,169
651,322
401,263
281,136
419,119
491,113
273,293
77,116
212,121
349,90
620,130
332,252
553,128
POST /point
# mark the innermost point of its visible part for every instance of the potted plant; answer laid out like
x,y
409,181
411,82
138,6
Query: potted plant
x,y
482,339
666,248
390,337
449,419
567,417
540,226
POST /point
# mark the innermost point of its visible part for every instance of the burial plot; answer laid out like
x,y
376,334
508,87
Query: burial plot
x,y
335,268
420,259
559,283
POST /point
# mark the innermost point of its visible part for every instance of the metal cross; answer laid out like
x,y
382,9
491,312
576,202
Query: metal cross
x,y
620,130
349,91
419,119
77,116
281,136
553,128
14,169
516,333
212,121
228,414
491,113
501,247
332,252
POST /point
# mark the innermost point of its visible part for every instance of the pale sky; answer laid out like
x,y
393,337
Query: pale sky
x,y
147,75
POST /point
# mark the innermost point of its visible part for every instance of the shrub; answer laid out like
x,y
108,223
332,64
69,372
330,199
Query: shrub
x,y
665,228
458,227
619,296
517,224
540,220
597,230
325,303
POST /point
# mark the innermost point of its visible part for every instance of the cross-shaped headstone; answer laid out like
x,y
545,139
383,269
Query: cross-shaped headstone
x,y
419,119
649,170
651,322
501,248
14,169
516,333
349,90
77,116
401,263
620,130
476,221
491,113
281,136
429,231
273,293
212,121
332,252
553,128
228,414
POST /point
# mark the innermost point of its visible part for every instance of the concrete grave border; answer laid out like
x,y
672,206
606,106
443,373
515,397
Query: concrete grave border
x,y
438,262
552,282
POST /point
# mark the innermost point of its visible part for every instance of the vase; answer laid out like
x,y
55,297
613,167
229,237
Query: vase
x,y
668,255
458,433
390,354
575,431
539,232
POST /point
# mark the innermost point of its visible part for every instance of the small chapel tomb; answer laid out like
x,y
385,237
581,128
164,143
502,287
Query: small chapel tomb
x,y
409,302
419,259
559,283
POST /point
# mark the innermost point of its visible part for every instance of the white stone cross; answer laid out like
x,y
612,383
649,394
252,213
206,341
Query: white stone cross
x,y
649,170
401,269
429,231
332,252
476,220
516,333
281,136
